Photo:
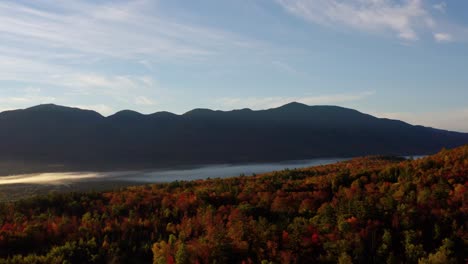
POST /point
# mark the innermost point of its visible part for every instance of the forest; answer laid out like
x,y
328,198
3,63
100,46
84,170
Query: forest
x,y
366,210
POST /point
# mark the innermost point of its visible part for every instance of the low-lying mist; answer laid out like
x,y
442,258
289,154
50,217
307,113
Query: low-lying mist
x,y
159,176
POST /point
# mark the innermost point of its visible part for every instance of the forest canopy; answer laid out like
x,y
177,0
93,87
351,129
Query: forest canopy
x,y
366,210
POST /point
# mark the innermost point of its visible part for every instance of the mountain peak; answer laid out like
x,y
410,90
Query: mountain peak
x,y
294,106
199,111
49,107
163,114
53,110
127,113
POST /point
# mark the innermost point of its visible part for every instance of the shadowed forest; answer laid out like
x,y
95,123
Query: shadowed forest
x,y
366,210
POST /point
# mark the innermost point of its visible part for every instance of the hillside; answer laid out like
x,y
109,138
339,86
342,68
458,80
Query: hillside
x,y
367,210
84,140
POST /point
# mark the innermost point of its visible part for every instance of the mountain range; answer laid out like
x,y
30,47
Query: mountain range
x,y
57,134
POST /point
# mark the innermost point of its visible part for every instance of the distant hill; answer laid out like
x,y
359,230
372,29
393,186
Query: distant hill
x,y
58,134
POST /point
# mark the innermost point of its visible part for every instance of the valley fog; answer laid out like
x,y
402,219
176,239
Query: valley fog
x,y
161,176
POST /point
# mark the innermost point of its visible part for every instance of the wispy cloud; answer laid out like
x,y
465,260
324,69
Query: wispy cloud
x,y
73,86
69,47
115,29
112,85
284,67
72,81
270,102
29,96
443,37
407,20
401,19
145,101
441,7
25,100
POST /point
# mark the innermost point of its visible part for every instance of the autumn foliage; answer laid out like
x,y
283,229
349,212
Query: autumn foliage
x,y
367,210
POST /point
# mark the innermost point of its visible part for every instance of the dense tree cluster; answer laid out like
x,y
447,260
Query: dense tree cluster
x,y
367,210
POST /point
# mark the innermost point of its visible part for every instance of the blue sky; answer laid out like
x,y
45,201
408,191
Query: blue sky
x,y
403,59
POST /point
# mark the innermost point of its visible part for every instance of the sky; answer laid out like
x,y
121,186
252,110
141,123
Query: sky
x,y
405,59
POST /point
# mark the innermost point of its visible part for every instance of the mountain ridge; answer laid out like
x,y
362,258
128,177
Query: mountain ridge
x,y
58,134
127,112
288,106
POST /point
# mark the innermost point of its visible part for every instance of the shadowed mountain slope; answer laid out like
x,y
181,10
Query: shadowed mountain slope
x,y
51,133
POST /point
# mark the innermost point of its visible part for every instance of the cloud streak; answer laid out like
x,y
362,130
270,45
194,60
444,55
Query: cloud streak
x,y
443,37
366,15
407,20
441,7
119,30
72,81
69,48
22,101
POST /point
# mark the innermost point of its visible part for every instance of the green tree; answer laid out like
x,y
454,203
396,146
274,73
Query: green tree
x,y
181,256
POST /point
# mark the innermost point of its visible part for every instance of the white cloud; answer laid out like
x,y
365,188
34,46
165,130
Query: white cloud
x,y
452,119
69,48
92,83
73,81
284,67
24,101
270,102
443,37
408,20
109,29
441,7
400,18
14,68
143,100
